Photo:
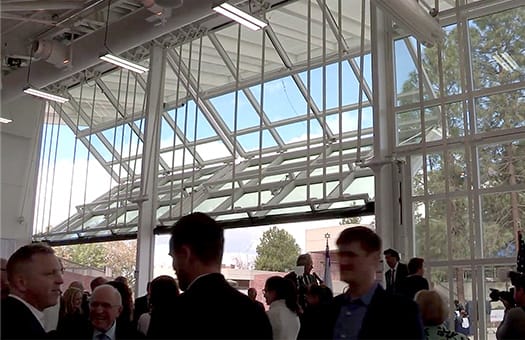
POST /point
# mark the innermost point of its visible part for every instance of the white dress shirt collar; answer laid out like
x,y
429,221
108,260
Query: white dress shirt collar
x,y
110,333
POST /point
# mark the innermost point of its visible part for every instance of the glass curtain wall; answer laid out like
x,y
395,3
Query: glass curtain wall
x,y
465,153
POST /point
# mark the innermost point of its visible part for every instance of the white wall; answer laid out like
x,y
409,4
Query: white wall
x,y
19,151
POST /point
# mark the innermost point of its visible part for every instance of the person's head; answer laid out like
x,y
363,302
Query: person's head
x,y
77,285
196,247
5,283
319,295
72,300
518,281
432,307
279,288
359,250
415,266
391,257
35,275
252,293
97,282
122,279
126,300
105,306
163,290
306,261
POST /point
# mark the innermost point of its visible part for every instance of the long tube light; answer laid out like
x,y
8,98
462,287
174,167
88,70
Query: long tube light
x,y
45,95
5,120
241,17
113,59
513,64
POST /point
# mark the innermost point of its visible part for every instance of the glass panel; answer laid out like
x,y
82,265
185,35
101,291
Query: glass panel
x,y
246,114
457,170
461,237
501,216
407,80
349,89
408,129
128,217
180,155
298,131
497,57
251,199
431,238
172,84
500,111
350,120
496,278
501,164
210,204
213,150
282,99
362,185
455,119
250,141
435,173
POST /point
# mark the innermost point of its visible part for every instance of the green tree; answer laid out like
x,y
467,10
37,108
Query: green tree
x,y
119,256
277,251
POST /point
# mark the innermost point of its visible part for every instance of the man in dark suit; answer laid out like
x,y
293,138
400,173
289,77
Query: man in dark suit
x,y
141,305
35,276
367,311
397,271
209,308
303,277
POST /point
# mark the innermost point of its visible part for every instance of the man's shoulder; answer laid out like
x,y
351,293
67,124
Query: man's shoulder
x,y
516,312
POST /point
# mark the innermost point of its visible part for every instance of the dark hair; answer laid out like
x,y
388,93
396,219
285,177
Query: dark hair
x,y
202,234
163,290
517,279
393,253
323,292
303,259
127,302
99,280
368,239
284,289
24,255
414,265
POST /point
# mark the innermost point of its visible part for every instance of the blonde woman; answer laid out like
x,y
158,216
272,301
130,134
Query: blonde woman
x,y
73,318
434,312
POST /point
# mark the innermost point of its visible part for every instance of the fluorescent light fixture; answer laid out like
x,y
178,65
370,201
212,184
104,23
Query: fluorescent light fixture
x,y
45,95
512,63
5,120
413,18
502,62
241,17
111,58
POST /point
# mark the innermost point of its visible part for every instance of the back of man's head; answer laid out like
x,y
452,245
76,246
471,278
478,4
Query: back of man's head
x,y
369,240
415,264
100,280
201,234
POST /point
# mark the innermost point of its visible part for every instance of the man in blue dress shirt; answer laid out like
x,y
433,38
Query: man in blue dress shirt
x,y
366,310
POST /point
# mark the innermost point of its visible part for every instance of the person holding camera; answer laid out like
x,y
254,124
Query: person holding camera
x,y
513,324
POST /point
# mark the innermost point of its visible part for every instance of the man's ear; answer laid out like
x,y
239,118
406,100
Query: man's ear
x,y
120,308
185,253
19,282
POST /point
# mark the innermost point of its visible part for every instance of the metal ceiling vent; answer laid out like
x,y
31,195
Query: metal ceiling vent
x,y
52,51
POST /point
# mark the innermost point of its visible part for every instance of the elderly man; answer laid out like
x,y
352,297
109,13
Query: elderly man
x,y
366,310
35,276
209,308
303,277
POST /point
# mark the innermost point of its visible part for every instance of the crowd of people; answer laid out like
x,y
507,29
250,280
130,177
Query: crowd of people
x,y
300,305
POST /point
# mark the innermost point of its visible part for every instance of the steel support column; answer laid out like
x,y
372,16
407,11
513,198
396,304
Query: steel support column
x,y
387,199
148,188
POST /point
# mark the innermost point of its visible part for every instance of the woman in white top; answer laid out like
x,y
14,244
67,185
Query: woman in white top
x,y
281,296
